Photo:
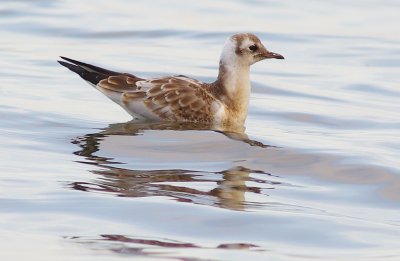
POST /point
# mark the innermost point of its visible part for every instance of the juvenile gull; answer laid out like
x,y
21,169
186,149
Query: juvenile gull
x,y
179,98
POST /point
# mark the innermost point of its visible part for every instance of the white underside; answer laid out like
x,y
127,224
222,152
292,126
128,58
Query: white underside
x,y
218,110
136,109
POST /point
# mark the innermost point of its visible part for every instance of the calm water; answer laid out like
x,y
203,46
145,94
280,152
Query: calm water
x,y
78,180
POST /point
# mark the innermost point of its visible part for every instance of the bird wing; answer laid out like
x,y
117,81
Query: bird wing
x,y
176,98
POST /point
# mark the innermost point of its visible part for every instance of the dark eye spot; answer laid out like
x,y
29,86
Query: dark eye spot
x,y
253,48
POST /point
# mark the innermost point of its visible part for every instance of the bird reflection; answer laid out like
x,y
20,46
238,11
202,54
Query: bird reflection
x,y
226,189
144,246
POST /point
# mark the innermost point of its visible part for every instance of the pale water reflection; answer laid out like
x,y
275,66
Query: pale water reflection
x,y
227,187
128,163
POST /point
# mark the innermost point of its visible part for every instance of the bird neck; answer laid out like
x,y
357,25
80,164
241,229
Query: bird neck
x,y
232,88
234,81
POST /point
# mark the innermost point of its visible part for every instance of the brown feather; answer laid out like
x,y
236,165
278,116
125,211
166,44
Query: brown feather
x,y
171,96
155,90
178,98
168,87
119,83
134,95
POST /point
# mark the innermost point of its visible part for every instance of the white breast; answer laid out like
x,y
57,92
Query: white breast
x,y
218,110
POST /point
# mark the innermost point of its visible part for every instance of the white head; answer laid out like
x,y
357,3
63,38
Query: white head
x,y
244,50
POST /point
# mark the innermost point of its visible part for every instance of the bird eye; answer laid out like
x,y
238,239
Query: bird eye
x,y
253,48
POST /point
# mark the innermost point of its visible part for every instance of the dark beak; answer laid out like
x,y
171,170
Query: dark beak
x,y
269,55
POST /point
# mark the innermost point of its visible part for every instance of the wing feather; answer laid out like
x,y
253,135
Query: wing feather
x,y
119,83
179,98
176,98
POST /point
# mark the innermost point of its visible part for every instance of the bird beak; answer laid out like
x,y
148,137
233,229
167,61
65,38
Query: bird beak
x,y
269,55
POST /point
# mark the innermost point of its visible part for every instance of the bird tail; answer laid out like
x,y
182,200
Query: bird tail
x,y
88,72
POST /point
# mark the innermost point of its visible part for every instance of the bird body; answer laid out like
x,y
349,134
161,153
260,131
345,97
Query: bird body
x,y
180,98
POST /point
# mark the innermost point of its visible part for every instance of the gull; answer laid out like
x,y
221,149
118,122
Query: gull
x,y
179,98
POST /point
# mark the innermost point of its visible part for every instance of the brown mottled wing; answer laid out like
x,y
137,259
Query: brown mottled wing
x,y
120,83
178,98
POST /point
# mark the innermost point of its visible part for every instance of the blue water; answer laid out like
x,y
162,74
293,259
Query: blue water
x,y
78,180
